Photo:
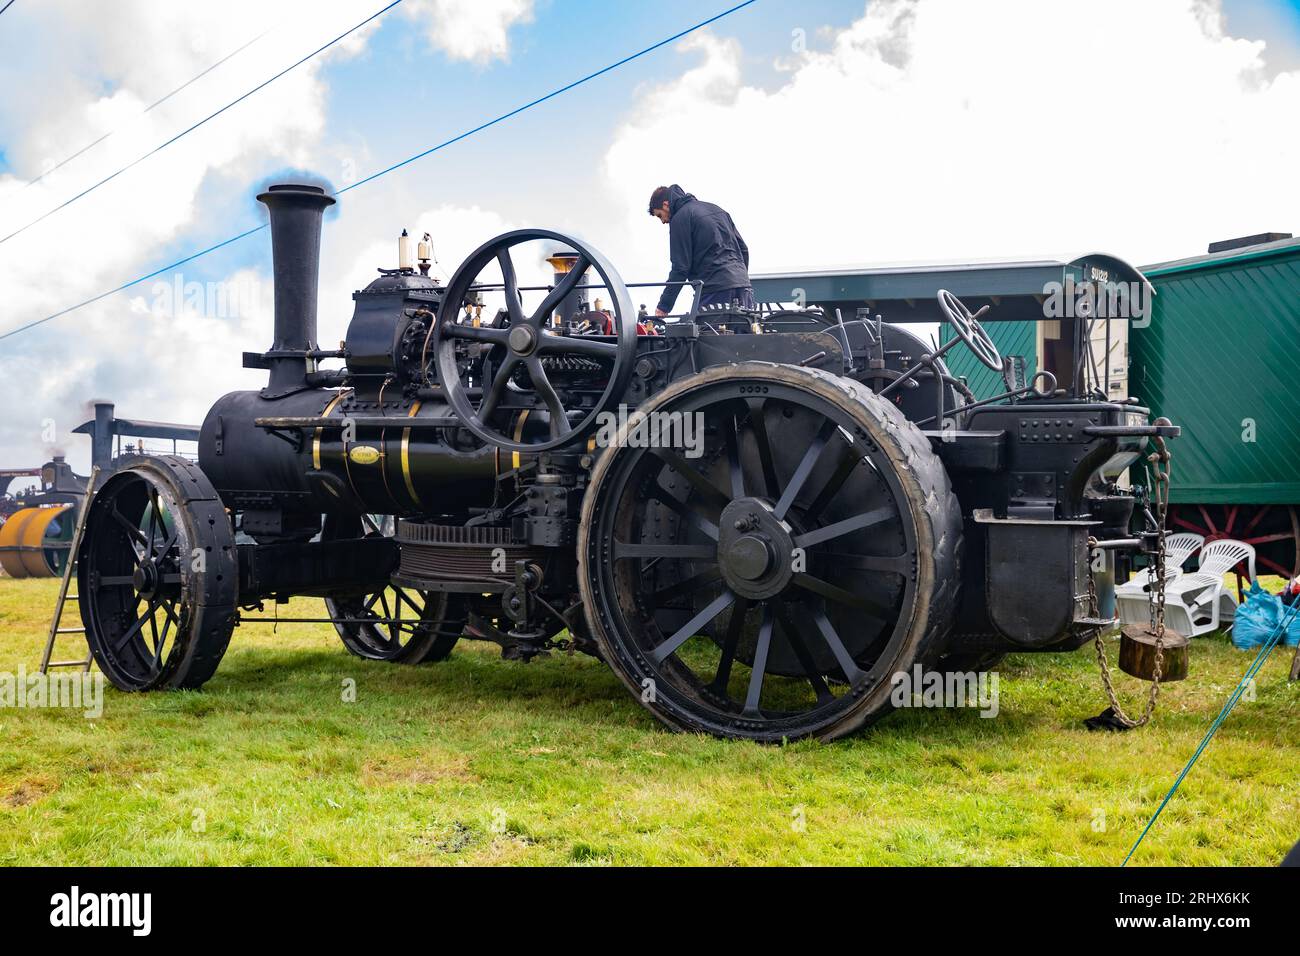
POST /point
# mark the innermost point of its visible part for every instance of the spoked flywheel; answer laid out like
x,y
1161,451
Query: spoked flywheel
x,y
157,576
765,550
528,344
396,624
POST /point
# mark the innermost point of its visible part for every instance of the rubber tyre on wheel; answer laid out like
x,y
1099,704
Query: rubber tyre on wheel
x,y
927,511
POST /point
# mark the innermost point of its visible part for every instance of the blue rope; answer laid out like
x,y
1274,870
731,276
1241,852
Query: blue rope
x,y
1256,664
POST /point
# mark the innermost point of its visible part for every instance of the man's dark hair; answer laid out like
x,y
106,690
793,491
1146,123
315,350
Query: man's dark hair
x,y
658,198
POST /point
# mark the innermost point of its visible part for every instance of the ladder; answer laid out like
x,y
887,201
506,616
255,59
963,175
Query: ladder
x,y
68,570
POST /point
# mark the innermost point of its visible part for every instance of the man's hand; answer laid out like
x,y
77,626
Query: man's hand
x,y
660,313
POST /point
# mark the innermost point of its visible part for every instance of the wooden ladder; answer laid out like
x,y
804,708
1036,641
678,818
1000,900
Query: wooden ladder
x,y
68,570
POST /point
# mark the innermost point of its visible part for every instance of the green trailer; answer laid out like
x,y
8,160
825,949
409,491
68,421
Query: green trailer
x,y
1219,357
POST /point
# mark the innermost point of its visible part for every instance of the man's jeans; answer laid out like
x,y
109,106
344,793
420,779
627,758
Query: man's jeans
x,y
741,297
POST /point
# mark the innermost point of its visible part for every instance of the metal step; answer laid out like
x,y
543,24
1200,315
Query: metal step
x,y
1097,621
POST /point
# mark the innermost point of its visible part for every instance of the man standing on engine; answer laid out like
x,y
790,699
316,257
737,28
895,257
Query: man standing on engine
x,y
704,244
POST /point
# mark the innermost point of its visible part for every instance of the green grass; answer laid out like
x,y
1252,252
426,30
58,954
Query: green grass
x,y
483,761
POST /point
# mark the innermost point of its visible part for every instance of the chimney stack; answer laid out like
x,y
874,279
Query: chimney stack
x,y
296,213
101,439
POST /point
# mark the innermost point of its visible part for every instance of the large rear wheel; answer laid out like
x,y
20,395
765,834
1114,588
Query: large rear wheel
x,y
769,587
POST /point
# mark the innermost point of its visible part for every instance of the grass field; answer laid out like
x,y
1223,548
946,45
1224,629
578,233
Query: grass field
x,y
483,761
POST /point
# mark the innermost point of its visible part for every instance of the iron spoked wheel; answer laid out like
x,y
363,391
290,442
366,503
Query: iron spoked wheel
x,y
157,576
770,588
398,625
419,627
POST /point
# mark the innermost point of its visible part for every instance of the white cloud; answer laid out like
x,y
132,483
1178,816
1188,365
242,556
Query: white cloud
x,y
944,129
125,227
83,74
477,31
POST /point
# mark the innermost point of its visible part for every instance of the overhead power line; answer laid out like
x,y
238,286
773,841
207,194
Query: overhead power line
x,y
136,281
543,99
395,166
7,6
210,116
155,103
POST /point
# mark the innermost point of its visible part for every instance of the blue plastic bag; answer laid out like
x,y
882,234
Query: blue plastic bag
x,y
1258,618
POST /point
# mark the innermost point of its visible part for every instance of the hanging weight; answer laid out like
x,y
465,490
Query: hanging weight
x,y
1137,654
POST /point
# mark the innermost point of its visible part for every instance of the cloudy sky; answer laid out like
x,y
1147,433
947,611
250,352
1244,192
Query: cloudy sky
x,y
835,132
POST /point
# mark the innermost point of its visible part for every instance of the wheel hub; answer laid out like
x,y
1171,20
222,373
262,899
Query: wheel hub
x,y
751,557
756,552
523,340
145,579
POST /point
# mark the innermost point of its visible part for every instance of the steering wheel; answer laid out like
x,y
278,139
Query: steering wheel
x,y
526,341
969,330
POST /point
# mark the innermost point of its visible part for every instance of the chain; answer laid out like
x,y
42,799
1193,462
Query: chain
x,y
1159,460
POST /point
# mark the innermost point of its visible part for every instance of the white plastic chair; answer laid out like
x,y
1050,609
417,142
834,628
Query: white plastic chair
x,y
1132,597
1202,593
1179,547
1196,602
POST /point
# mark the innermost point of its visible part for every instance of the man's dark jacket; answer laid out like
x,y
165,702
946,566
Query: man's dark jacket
x,y
703,244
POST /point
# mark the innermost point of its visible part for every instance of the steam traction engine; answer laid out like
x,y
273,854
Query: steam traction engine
x,y
817,507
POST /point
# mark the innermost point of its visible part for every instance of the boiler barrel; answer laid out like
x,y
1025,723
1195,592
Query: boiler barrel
x,y
394,469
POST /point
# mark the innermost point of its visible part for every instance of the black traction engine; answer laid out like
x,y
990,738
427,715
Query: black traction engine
x,y
754,517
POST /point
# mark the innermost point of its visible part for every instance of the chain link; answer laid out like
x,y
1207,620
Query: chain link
x,y
1159,460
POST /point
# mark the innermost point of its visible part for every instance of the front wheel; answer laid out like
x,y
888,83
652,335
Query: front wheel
x,y
157,576
761,570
